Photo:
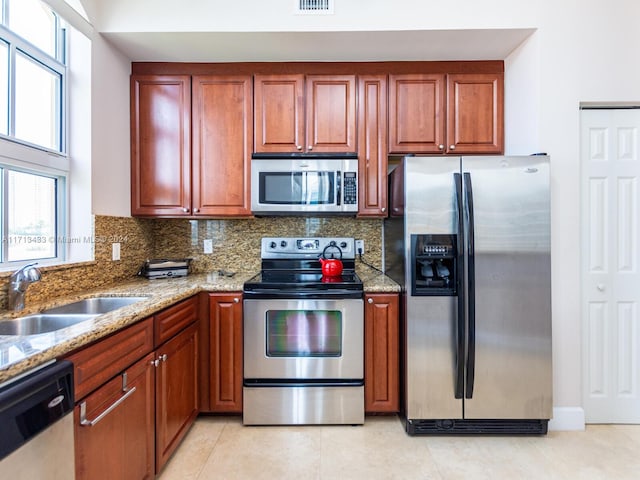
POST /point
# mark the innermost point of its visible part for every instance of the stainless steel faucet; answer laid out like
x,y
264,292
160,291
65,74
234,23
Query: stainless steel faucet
x,y
18,283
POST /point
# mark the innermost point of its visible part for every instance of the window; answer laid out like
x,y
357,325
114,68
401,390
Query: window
x,y
33,74
33,161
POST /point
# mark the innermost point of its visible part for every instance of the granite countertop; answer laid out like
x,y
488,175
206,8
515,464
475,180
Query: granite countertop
x,y
19,354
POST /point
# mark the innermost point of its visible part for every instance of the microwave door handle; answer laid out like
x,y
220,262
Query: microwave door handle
x,y
338,188
304,185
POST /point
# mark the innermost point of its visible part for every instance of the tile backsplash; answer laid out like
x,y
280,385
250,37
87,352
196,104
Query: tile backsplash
x,y
236,243
236,247
136,241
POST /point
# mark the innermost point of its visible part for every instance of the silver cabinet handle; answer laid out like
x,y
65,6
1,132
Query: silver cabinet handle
x,y
90,423
163,357
310,147
299,147
185,209
370,300
600,287
452,147
236,300
384,209
155,363
196,210
441,147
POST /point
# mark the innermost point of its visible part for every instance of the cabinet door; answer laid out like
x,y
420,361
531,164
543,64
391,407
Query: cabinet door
x,y
372,145
475,110
416,113
160,145
278,113
381,370
176,391
226,353
120,444
222,136
331,113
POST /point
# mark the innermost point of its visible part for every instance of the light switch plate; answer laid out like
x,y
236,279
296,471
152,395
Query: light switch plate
x,y
115,251
360,247
208,245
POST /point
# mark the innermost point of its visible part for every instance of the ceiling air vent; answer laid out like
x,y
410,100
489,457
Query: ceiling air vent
x,y
314,7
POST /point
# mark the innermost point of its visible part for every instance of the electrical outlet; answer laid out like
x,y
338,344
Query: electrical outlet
x,y
208,245
115,251
360,247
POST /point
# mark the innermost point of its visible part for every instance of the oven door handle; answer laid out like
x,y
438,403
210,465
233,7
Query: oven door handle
x,y
271,382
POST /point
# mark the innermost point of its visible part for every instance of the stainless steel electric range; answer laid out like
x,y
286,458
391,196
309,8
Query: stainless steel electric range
x,y
303,336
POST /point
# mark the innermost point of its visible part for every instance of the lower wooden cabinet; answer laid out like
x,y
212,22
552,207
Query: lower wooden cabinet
x,y
225,353
381,351
176,391
114,429
134,403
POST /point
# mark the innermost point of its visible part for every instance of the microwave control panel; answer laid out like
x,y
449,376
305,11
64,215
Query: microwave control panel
x,y
350,188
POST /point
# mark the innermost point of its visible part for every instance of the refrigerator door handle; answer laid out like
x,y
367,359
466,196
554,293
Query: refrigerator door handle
x,y
460,333
471,292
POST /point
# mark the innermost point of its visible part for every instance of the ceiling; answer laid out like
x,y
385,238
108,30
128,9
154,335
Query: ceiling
x,y
426,45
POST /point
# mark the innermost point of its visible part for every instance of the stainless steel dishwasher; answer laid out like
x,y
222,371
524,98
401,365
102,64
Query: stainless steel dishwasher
x,y
37,430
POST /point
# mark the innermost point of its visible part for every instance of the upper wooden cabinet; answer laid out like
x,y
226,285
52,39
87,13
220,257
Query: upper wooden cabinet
x,y
191,145
372,145
453,113
416,113
475,112
222,136
279,113
160,145
298,113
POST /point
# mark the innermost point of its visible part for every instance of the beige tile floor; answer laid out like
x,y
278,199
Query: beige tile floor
x,y
221,448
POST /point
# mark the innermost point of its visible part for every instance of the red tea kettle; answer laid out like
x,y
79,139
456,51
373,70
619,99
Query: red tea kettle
x,y
331,267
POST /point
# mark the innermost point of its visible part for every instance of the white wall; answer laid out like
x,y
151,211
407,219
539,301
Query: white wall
x,y
581,51
111,188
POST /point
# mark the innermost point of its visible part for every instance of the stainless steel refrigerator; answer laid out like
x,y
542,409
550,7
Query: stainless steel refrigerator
x,y
468,238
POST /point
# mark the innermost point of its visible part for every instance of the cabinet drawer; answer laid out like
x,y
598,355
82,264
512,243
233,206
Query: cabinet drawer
x,y
172,320
101,361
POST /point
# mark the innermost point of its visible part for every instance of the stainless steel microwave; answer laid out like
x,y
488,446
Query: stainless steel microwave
x,y
290,185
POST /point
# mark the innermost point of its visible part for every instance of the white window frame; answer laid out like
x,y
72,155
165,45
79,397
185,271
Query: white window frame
x,y
20,155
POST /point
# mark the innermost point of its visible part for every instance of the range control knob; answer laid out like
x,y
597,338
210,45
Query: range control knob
x,y
273,245
343,244
283,244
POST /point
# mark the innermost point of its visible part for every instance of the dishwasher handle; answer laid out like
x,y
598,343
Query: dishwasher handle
x,y
83,406
90,423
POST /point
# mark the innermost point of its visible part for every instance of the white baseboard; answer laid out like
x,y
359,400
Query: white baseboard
x,y
567,418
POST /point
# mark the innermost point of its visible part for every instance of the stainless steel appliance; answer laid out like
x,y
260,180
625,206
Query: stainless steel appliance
x,y
165,268
303,336
304,184
469,240
37,428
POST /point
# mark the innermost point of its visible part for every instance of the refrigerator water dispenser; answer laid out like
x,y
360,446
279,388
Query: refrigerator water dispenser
x,y
434,265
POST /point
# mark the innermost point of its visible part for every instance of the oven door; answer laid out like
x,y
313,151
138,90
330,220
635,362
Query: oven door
x,y
305,339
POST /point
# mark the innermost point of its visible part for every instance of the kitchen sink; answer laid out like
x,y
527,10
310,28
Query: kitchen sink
x,y
65,315
94,305
41,323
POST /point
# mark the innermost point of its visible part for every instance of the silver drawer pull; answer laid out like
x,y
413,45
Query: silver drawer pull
x,y
90,423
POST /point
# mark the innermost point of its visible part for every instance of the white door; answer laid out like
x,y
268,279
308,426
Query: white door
x,y
610,276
